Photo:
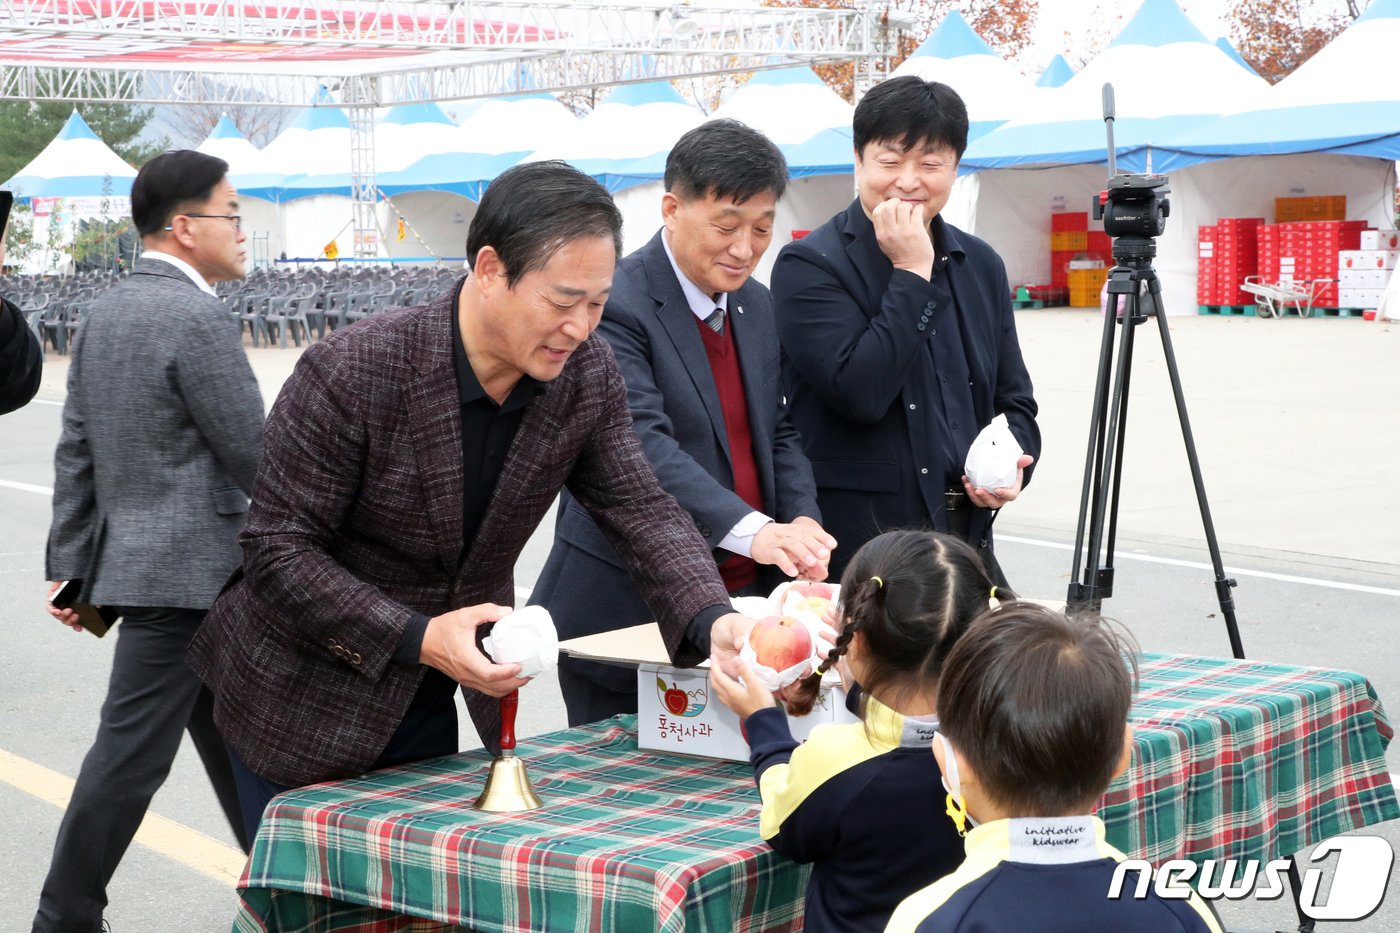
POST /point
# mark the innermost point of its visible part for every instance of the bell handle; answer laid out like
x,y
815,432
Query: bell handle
x,y
509,703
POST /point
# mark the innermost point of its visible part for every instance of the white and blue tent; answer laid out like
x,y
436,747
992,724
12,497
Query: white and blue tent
x,y
788,105
1229,49
518,123
75,164
1056,73
1053,156
1064,125
76,176
306,171
1326,105
957,56
618,142
226,142
436,195
1320,131
409,132
632,122
805,117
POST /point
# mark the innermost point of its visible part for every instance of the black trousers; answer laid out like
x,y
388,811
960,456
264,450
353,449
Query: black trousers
x,y
152,698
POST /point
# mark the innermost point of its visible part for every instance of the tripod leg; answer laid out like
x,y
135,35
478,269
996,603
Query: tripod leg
x,y
1084,596
1132,317
1223,584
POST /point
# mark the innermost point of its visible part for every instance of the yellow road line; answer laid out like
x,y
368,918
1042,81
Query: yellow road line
x,y
173,840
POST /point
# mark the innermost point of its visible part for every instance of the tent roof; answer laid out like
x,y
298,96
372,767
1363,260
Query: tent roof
x,y
463,173
953,38
955,55
1064,125
1225,46
422,112
788,105
1056,73
523,123
225,129
74,164
1158,23
631,122
225,142
407,134
1320,107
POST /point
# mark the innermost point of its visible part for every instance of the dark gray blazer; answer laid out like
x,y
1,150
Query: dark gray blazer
x,y
162,434
676,413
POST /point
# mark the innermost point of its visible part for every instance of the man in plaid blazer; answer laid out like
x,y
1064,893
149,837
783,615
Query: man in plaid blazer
x,y
408,460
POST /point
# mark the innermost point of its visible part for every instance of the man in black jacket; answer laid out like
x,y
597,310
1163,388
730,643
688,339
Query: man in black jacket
x,y
898,339
21,357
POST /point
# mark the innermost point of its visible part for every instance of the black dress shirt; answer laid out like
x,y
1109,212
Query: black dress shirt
x,y
487,431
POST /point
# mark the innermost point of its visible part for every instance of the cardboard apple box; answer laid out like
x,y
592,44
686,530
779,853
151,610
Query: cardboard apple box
x,y
675,711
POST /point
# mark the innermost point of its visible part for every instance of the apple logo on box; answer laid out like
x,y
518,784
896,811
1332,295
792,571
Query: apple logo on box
x,y
679,703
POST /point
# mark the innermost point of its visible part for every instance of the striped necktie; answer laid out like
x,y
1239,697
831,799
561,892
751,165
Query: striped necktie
x,y
715,321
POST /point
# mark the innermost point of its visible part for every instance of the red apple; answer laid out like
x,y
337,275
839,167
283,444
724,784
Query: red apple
x,y
674,698
780,642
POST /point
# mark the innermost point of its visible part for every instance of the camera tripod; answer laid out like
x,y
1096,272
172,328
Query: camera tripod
x,y
1133,286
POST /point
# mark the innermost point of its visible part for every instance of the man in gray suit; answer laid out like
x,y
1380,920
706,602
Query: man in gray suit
x,y
695,340
162,434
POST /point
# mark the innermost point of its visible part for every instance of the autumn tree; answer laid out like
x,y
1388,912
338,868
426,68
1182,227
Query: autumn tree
x,y
1276,36
1006,25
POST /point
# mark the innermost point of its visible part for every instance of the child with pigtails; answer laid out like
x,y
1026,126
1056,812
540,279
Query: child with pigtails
x,y
861,801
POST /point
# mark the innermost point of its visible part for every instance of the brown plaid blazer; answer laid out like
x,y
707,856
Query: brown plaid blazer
x,y
356,523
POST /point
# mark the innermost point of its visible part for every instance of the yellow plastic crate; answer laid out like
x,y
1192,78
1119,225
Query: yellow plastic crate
x,y
1317,207
1084,287
1069,240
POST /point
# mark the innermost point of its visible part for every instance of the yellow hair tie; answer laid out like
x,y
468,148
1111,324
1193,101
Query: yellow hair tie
x,y
879,582
992,601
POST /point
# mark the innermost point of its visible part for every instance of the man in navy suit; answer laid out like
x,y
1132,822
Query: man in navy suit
x,y
899,343
695,340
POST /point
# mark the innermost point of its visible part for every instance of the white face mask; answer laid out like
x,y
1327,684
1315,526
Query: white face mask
x,y
956,805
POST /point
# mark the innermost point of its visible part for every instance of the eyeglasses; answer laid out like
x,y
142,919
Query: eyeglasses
x,y
236,218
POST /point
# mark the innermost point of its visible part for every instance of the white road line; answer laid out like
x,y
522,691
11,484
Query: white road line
x,y
25,487
523,593
1197,565
177,841
42,401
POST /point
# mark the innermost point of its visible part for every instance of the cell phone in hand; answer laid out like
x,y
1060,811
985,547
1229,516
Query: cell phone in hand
x,y
96,619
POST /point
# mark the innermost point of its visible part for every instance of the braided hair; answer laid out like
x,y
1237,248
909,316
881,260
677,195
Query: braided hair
x,y
911,594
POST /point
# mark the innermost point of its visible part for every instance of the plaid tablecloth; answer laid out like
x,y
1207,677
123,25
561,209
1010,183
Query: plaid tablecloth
x,y
1233,758
1238,759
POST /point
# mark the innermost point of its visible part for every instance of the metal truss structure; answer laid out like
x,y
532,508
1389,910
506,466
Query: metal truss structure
x,y
376,53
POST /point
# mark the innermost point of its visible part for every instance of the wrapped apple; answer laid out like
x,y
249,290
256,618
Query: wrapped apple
x,y
780,650
526,637
801,596
808,603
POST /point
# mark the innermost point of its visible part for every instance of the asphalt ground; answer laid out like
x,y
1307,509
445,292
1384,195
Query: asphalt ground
x,y
1298,433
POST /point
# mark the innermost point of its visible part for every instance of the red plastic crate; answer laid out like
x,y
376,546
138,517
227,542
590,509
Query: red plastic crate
x,y
1069,221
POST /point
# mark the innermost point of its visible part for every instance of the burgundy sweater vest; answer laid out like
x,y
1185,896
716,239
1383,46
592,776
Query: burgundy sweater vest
x,y
737,571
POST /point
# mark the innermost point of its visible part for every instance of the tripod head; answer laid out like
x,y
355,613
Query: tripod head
x,y
1133,207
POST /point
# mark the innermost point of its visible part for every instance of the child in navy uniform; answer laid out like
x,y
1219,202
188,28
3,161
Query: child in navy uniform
x,y
1033,728
860,800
